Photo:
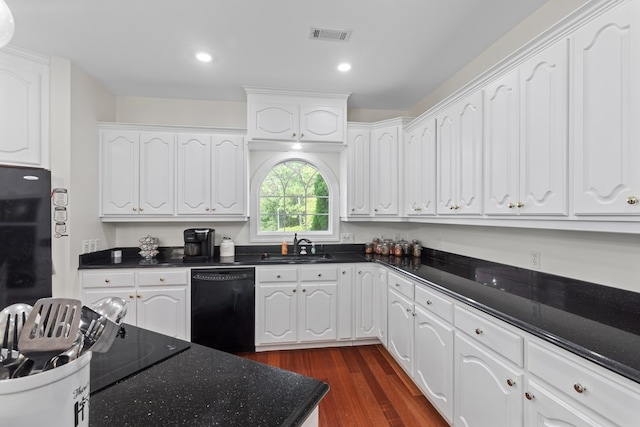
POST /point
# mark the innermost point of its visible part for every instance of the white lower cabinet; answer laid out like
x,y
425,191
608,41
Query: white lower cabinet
x,y
296,305
487,388
364,308
400,338
156,299
433,360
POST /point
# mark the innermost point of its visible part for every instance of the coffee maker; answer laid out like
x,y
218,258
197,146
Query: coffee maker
x,y
199,244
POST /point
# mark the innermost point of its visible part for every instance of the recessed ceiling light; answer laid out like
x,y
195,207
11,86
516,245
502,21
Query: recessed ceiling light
x,y
203,56
344,67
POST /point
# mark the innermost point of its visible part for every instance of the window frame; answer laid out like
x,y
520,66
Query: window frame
x,y
333,232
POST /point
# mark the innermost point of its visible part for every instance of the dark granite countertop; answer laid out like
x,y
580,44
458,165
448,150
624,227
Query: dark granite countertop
x,y
205,387
597,322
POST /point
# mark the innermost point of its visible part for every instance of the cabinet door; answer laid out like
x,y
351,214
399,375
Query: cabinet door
x,y
380,305
543,133
359,161
321,123
24,107
606,107
385,174
163,310
120,166
543,408
420,170
501,155
400,330
157,158
317,312
447,162
194,174
228,175
276,313
345,303
90,297
482,393
274,121
433,361
364,302
469,162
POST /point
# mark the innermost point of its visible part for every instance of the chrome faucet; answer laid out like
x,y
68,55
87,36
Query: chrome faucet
x,y
296,243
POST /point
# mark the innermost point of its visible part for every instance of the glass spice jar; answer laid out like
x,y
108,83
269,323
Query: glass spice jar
x,y
384,249
417,250
368,248
398,250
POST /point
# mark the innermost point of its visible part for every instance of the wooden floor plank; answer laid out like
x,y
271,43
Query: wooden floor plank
x,y
368,387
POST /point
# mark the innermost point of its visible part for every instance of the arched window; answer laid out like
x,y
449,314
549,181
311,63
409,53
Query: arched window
x,y
294,197
294,194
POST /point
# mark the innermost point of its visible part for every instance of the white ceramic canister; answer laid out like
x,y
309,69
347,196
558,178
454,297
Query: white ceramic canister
x,y
227,248
58,397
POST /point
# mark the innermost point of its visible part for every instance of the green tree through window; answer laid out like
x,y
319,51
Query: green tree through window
x,y
294,197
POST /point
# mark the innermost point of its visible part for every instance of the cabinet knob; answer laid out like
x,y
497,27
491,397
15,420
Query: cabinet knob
x,y
511,205
478,331
579,388
304,290
162,279
207,209
213,209
359,272
294,291
293,135
353,209
520,204
319,274
302,135
107,280
511,383
135,209
529,396
375,210
632,200
278,276
451,207
344,272
141,209
408,310
429,302
130,296
397,285
138,296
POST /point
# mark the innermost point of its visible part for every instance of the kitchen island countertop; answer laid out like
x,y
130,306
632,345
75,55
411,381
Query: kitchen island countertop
x,y
201,386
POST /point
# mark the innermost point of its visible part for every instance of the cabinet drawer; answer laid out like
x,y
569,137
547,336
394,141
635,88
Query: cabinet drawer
x,y
108,278
156,278
434,303
579,379
278,275
492,334
400,284
319,274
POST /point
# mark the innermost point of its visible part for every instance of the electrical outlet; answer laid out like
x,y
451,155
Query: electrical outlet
x,y
535,260
92,245
347,238
85,246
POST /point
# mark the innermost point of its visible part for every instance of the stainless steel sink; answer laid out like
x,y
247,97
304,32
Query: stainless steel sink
x,y
296,259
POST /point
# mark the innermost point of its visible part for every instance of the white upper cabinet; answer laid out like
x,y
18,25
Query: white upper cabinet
x,y
211,175
384,176
137,173
605,110
284,116
459,164
358,162
525,144
24,109
420,169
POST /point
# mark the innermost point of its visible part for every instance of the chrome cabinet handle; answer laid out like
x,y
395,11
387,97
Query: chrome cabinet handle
x,y
429,302
632,200
478,331
511,383
579,388
520,205
511,205
529,396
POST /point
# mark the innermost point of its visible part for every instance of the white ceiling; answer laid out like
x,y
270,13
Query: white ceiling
x,y
400,50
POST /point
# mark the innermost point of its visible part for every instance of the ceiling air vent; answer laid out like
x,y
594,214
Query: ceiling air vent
x,y
330,34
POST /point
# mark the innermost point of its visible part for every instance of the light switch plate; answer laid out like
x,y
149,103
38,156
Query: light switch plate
x,y
347,238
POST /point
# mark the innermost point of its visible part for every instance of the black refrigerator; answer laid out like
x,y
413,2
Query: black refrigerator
x,y
25,235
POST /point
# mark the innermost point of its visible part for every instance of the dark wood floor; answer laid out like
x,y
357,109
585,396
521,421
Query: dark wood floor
x,y
368,388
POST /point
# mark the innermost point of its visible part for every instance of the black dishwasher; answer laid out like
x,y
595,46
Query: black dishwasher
x,y
223,308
